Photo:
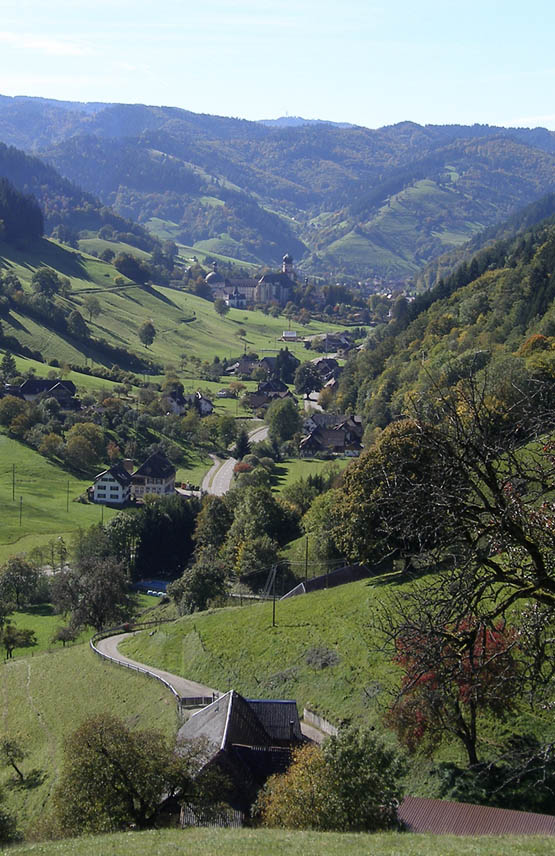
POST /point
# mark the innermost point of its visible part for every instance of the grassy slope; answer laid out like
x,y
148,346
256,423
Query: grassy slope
x,y
270,842
125,309
45,697
238,648
292,469
43,486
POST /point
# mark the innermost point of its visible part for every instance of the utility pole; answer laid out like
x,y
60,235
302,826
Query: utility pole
x,y
274,597
306,559
20,508
13,482
67,496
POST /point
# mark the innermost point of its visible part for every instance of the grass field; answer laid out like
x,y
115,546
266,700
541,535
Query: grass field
x,y
45,697
43,619
184,324
238,648
41,493
269,842
292,469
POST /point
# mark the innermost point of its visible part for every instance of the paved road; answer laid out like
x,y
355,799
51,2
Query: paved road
x,y
182,686
218,478
311,403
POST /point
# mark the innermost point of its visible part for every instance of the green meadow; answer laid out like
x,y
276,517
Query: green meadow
x,y
46,696
45,503
284,842
185,324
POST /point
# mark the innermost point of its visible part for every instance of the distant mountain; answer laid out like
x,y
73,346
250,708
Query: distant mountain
x,y
63,204
343,200
297,121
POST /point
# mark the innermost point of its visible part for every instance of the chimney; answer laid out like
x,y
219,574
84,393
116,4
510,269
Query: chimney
x,y
128,464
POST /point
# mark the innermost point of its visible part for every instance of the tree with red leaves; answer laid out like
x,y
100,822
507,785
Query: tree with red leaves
x,y
451,674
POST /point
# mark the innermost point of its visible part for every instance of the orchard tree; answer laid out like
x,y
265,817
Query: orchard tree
x,y
11,755
113,778
77,326
221,306
307,379
95,591
91,305
13,637
46,281
147,333
18,581
451,675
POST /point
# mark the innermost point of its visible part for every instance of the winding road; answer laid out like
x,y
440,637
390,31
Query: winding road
x,y
182,686
218,478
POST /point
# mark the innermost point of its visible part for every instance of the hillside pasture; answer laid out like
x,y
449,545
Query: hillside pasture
x,y
43,698
42,489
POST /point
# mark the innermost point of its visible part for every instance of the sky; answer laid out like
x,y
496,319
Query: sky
x,y
368,62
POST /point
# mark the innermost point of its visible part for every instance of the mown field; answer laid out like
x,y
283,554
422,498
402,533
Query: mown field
x,y
270,842
42,491
46,696
184,324
238,648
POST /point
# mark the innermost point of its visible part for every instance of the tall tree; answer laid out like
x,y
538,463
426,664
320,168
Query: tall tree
x,y
147,333
307,379
8,367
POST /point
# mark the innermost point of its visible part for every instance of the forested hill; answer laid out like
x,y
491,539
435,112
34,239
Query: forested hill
x,y
64,206
493,317
344,199
523,220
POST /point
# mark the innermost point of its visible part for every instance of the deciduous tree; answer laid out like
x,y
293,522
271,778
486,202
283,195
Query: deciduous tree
x,y
351,783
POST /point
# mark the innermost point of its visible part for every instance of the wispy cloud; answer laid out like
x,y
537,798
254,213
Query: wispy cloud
x,y
45,44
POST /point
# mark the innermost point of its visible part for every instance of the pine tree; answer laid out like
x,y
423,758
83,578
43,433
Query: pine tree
x,y
8,367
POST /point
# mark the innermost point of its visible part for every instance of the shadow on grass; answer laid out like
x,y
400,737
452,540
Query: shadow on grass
x,y
40,609
33,779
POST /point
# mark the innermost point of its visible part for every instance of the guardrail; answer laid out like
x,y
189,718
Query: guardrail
x,y
182,701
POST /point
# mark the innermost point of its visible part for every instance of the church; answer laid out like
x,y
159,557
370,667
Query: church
x,y
240,293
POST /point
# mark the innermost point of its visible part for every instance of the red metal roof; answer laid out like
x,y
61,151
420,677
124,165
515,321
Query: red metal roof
x,y
441,817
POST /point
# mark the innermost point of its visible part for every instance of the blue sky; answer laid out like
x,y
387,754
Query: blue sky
x,y
372,63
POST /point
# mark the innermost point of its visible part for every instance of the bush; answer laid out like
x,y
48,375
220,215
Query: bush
x,y
351,783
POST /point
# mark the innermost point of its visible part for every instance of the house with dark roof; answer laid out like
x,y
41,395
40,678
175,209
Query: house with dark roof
x,y
179,402
62,390
155,476
113,486
249,739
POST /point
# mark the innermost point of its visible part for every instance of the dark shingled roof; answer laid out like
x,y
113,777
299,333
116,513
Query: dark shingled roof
x,y
156,466
233,720
36,386
119,472
441,817
280,718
